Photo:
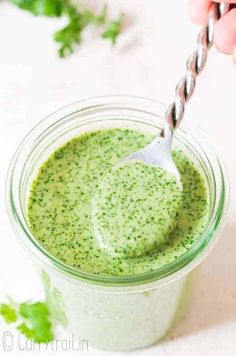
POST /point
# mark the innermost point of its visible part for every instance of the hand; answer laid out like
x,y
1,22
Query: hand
x,y
225,28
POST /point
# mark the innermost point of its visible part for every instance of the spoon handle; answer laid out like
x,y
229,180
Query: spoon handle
x,y
195,64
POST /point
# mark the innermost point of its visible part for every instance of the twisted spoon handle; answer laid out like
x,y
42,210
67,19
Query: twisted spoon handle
x,y
195,64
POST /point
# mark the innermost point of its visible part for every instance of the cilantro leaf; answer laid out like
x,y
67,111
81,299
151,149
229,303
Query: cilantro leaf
x,y
68,37
8,313
89,17
50,8
23,328
113,30
71,35
36,325
33,320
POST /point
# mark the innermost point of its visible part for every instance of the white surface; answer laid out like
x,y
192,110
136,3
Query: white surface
x,y
147,61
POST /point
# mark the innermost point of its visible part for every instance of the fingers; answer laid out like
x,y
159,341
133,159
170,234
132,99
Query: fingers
x,y
225,33
199,11
225,28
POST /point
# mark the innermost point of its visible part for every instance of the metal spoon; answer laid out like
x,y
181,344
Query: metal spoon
x,y
158,152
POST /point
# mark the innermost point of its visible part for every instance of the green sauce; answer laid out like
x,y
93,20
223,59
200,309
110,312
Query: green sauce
x,y
135,208
61,197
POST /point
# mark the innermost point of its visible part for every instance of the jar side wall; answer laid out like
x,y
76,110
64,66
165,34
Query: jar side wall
x,y
112,321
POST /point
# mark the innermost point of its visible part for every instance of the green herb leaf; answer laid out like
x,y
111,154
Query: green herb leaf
x,y
87,17
68,37
50,8
8,313
113,30
36,325
71,35
23,328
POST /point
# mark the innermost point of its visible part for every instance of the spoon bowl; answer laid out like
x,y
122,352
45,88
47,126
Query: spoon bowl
x,y
157,153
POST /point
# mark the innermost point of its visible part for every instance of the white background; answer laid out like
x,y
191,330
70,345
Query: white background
x,y
147,61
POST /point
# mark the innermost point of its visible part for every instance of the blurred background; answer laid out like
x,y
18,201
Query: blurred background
x,y
148,59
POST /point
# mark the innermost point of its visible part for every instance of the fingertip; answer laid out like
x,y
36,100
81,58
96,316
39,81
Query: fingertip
x,y
225,33
198,11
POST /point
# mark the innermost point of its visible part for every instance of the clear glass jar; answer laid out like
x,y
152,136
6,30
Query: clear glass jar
x,y
114,313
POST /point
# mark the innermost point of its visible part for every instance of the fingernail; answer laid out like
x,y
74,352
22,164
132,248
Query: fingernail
x,y
234,55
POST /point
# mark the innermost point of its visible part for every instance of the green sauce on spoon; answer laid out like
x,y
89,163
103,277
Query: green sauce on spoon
x,y
135,208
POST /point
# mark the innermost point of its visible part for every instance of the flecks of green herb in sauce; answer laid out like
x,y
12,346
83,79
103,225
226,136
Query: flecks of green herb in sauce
x,y
59,209
135,208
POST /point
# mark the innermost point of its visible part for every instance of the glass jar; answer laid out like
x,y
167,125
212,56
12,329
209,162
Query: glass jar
x,y
114,313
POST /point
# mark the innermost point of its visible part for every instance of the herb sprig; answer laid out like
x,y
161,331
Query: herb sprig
x,y
31,319
77,20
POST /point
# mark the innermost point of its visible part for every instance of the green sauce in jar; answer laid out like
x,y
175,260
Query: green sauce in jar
x,y
61,216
